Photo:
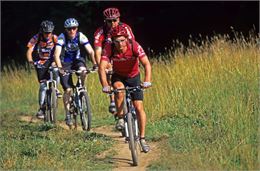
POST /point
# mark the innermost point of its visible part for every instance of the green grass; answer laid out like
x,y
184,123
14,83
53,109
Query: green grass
x,y
203,109
44,147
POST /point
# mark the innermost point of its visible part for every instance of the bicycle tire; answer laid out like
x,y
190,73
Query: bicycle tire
x,y
85,114
46,104
125,110
132,141
53,105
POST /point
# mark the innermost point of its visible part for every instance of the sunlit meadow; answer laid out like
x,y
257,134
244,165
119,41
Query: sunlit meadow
x,y
203,109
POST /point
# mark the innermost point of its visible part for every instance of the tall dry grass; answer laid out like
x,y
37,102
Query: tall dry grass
x,y
205,99
203,106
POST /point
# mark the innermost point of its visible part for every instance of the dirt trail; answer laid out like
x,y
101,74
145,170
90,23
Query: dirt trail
x,y
122,159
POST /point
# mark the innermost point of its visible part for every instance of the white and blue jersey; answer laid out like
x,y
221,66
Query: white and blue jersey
x,y
71,49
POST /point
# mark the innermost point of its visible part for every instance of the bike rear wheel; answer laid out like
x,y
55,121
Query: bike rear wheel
x,y
85,114
132,141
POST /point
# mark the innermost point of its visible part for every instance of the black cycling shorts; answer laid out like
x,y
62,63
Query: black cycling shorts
x,y
131,82
66,80
42,71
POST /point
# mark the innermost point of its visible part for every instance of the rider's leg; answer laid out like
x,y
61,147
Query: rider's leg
x,y
138,104
138,97
83,75
56,75
41,99
142,123
66,102
119,98
119,101
112,106
42,93
66,82
57,78
42,75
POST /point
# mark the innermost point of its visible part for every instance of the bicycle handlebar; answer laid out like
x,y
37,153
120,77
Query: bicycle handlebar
x,y
42,66
88,71
130,89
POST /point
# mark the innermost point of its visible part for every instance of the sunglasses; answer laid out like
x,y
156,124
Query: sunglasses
x,y
119,41
46,32
71,28
110,21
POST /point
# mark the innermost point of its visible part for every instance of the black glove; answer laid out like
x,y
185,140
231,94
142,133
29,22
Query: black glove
x,y
95,67
61,71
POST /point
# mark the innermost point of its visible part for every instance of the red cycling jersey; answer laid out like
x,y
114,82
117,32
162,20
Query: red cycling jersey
x,y
102,35
124,64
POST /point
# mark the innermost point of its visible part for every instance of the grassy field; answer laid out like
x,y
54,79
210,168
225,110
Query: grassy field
x,y
203,108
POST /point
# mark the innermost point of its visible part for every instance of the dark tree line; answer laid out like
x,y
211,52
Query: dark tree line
x,y
155,24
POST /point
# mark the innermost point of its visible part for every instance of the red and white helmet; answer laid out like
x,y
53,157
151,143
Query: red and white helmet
x,y
111,13
119,31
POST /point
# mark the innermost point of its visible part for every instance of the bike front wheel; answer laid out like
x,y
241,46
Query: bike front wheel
x,y
132,140
85,114
52,104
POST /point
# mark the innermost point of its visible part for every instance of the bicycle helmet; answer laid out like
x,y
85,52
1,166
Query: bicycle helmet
x,y
119,31
46,26
71,22
111,13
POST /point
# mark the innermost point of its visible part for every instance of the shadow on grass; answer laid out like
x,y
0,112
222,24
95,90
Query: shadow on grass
x,y
94,136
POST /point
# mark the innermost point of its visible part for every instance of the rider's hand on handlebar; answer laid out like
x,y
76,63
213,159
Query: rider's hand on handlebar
x,y
106,89
146,84
31,63
95,67
62,72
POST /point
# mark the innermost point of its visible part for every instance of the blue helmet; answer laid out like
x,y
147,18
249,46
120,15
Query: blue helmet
x,y
71,22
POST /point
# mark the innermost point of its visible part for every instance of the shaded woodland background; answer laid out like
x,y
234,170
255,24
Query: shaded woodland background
x,y
155,24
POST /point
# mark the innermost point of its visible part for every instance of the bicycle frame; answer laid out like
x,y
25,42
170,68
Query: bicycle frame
x,y
79,96
51,82
78,88
130,109
50,99
131,130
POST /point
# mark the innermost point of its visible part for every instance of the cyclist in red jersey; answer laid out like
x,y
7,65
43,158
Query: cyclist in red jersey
x,y
126,55
102,36
43,43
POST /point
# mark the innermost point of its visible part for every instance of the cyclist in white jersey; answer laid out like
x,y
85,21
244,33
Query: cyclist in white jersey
x,y
68,57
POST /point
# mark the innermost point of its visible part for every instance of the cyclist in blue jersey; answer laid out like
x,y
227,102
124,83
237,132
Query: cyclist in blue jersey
x,y
67,57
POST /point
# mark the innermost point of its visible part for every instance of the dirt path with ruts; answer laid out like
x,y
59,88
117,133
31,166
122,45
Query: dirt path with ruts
x,y
122,160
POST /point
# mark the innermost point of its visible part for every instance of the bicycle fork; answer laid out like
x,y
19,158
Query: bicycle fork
x,y
135,123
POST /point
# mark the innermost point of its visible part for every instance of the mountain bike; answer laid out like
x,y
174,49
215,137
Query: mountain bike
x,y
80,102
51,99
131,130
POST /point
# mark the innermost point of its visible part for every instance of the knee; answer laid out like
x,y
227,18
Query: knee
x,y
139,107
82,68
68,91
56,72
120,95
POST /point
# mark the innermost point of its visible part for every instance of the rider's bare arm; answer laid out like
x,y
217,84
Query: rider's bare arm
x,y
147,66
90,51
57,53
102,73
29,54
98,51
